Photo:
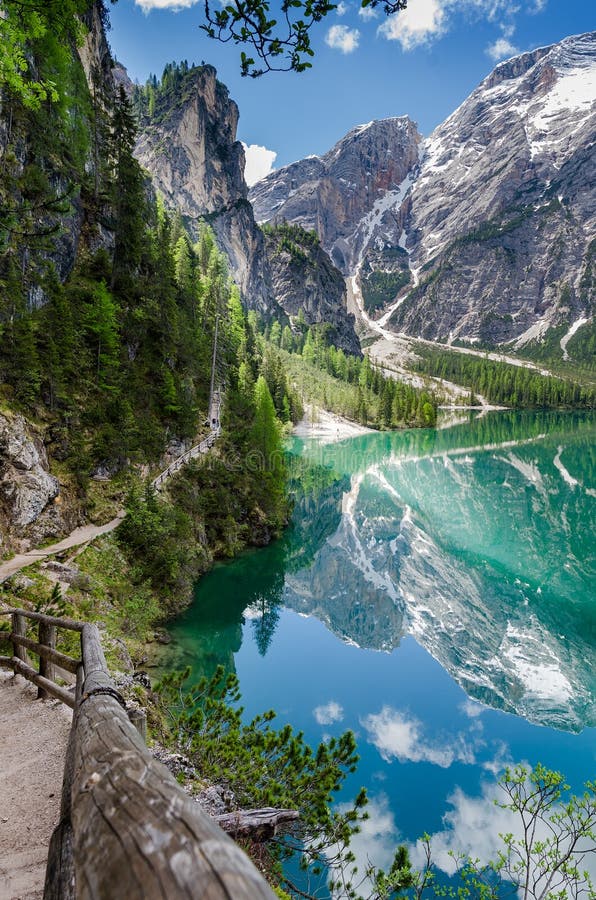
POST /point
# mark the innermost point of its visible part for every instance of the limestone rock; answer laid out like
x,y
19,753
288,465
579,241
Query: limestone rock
x,y
351,196
189,146
33,508
26,486
503,210
305,280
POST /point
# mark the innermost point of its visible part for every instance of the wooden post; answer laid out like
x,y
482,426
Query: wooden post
x,y
47,637
138,717
136,834
19,627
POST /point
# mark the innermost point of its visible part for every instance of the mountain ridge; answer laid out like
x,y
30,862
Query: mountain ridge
x,y
496,216
187,142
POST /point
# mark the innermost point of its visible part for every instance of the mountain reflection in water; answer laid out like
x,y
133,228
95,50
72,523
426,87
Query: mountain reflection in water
x,y
477,540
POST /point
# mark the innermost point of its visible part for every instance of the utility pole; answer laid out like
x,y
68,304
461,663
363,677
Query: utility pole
x,y
211,391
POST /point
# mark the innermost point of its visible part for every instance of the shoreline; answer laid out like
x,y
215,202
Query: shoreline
x,y
327,426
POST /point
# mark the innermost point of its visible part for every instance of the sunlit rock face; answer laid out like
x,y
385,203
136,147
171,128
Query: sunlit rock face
x,y
189,146
495,210
32,507
502,212
352,196
481,552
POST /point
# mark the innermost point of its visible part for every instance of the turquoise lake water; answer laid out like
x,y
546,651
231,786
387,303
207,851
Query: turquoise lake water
x,y
436,594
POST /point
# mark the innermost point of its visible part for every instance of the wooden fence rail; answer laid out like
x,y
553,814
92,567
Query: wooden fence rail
x,y
181,460
126,829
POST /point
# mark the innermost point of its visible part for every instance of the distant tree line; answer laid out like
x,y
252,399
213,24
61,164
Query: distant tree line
x,y
344,383
505,384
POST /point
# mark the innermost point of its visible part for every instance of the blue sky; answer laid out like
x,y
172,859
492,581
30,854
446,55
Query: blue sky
x,y
423,62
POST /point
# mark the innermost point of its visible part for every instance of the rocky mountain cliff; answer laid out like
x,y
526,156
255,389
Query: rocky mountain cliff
x,y
352,195
503,211
33,504
305,281
187,141
495,210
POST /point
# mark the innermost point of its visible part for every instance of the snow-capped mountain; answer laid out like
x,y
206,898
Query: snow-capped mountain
x,y
503,210
494,214
352,195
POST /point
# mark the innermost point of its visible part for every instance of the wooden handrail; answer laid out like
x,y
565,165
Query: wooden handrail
x,y
68,624
46,652
127,830
43,683
44,648
189,454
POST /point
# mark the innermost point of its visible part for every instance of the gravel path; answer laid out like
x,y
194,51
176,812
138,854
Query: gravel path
x,y
79,536
33,739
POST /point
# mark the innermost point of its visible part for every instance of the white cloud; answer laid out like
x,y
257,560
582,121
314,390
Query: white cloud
x,y
508,29
398,737
473,827
472,708
259,162
340,37
174,5
341,8
328,713
424,21
368,12
418,24
501,759
501,49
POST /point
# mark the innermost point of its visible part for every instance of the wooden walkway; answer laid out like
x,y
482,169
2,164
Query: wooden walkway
x,y
127,830
203,447
87,533
192,453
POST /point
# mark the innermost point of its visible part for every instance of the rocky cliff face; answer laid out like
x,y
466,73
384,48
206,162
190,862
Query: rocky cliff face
x,y
31,508
352,196
502,213
304,279
497,219
45,162
189,146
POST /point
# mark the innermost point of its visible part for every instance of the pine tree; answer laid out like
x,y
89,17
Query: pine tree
x,y
266,433
129,199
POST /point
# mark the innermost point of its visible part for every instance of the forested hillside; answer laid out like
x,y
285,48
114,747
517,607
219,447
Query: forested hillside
x,y
108,310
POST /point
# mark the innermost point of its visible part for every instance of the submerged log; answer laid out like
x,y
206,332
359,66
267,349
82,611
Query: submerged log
x,y
257,824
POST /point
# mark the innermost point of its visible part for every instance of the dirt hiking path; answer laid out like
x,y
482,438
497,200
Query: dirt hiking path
x,y
33,738
79,536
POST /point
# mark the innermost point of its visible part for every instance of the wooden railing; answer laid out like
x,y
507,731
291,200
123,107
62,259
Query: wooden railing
x,y
198,449
181,460
45,648
126,829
